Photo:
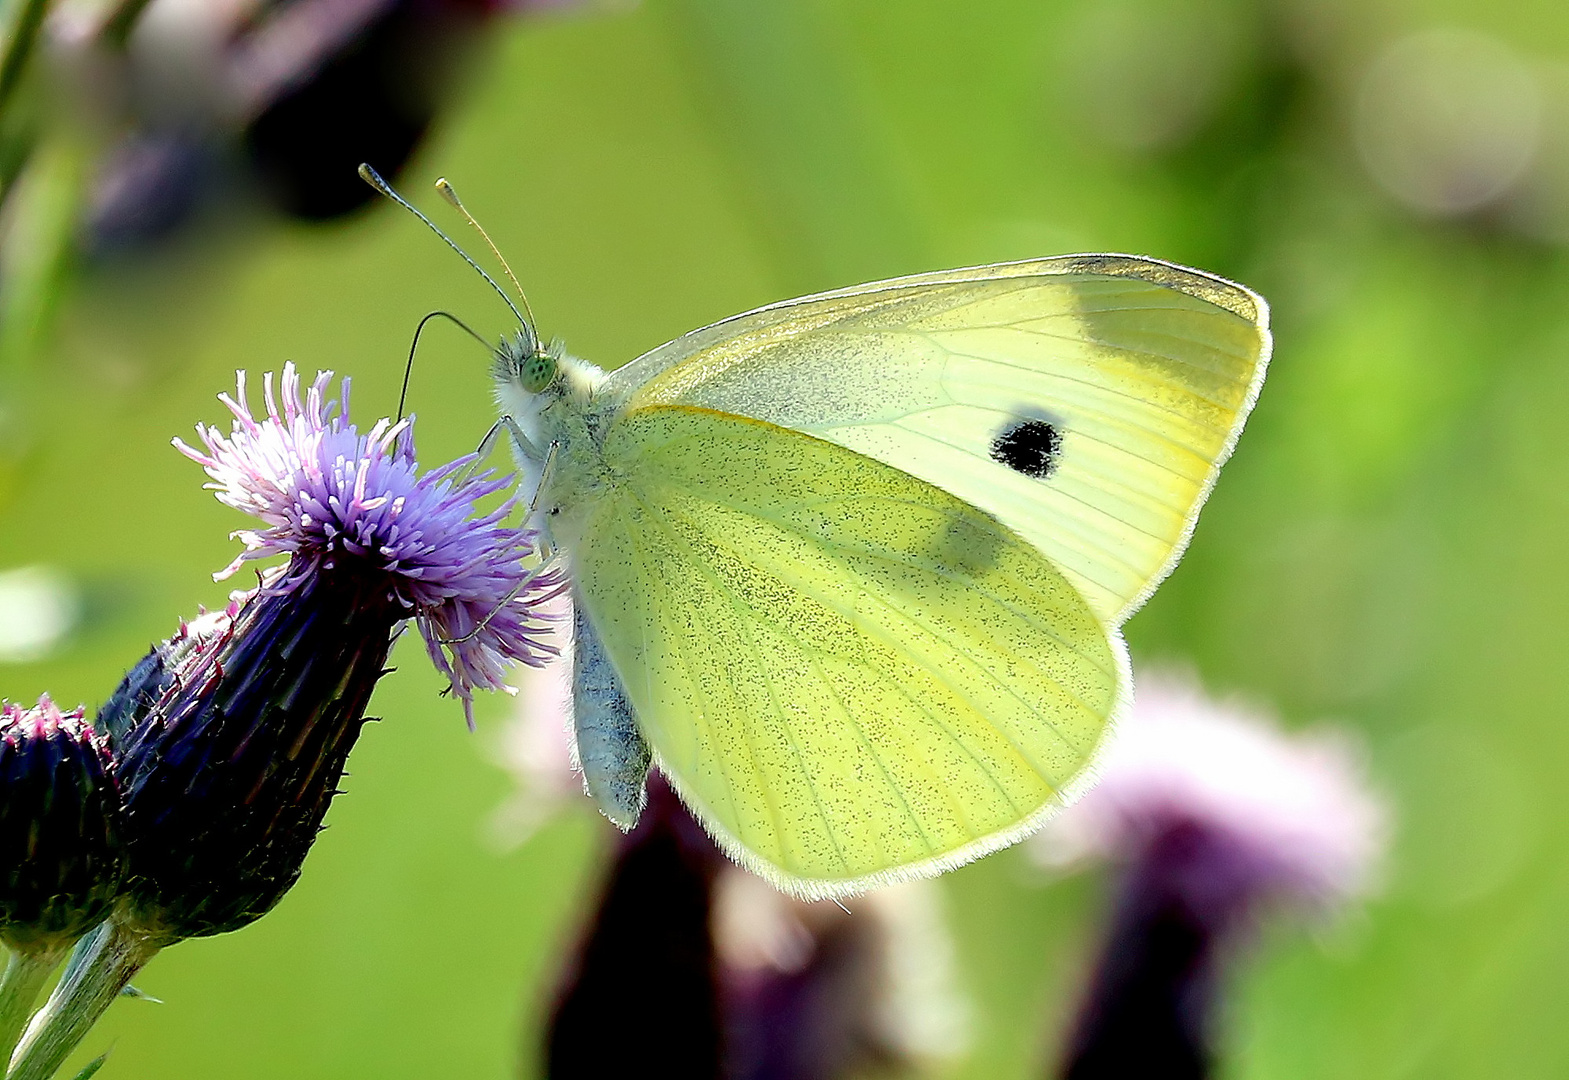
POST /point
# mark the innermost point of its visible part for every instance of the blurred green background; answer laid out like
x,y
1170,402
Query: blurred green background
x,y
1386,551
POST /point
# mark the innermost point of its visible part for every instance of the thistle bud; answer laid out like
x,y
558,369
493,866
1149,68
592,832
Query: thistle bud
x,y
60,850
227,778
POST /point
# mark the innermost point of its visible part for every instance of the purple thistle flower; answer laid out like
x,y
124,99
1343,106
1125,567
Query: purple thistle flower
x,y
327,494
231,737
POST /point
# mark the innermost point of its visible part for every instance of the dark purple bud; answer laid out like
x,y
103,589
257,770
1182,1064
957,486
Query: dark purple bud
x,y
146,683
137,693
227,777
641,994
60,849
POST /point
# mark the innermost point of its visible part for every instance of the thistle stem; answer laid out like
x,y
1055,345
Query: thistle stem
x,y
115,953
25,975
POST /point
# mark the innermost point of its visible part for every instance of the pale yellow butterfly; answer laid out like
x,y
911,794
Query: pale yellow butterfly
x,y
851,568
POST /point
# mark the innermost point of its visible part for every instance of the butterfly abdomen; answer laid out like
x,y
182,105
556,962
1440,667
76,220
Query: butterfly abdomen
x,y
610,749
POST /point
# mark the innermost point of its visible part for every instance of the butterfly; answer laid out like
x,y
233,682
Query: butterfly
x,y
851,569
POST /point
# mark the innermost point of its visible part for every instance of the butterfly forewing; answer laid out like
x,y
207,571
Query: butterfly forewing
x,y
1087,402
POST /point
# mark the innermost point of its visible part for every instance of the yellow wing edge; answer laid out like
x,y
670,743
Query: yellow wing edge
x,y
837,888
1240,301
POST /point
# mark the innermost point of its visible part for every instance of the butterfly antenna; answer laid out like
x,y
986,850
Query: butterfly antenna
x,y
450,194
408,368
373,178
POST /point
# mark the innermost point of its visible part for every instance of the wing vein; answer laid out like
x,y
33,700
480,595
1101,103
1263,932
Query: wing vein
x,y
1102,387
795,750
932,634
1012,609
708,711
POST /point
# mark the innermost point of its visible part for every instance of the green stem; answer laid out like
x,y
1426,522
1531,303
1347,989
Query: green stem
x,y
25,19
115,954
25,975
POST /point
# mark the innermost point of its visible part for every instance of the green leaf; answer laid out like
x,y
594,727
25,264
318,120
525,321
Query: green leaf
x,y
93,1066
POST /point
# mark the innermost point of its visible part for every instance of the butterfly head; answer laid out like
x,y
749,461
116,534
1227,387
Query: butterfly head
x,y
522,362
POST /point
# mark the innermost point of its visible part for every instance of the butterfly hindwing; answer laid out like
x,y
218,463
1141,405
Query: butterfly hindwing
x,y
847,672
1085,401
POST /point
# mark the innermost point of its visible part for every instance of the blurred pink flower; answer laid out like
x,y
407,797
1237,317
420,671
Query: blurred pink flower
x,y
537,745
1213,814
1297,807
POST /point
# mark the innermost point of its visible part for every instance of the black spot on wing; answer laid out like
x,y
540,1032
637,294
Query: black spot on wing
x,y
1031,447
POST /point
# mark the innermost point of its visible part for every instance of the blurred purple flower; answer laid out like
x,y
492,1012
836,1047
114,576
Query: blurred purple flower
x,y
284,98
640,994
1214,816
326,84
1295,806
813,991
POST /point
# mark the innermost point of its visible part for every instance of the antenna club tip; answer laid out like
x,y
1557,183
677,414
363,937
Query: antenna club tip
x,y
372,177
448,192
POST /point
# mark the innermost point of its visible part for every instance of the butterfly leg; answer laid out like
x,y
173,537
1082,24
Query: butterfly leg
x,y
487,446
524,444
610,747
517,590
544,477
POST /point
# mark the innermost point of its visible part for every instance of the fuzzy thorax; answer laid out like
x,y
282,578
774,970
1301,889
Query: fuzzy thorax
x,y
559,414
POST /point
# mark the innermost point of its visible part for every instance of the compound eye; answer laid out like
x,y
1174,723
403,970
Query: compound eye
x,y
538,372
